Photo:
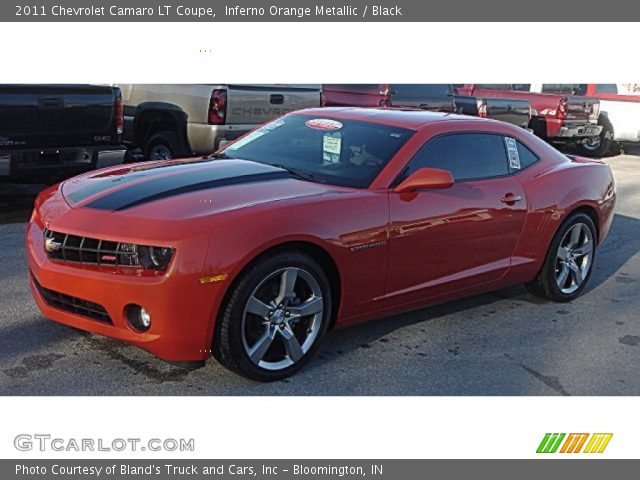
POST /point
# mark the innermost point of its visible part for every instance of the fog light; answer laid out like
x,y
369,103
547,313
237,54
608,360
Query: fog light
x,y
138,317
145,318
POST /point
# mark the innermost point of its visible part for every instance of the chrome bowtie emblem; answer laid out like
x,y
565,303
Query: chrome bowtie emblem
x,y
50,245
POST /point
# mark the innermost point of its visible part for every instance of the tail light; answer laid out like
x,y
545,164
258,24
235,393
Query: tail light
x,y
119,111
218,107
482,108
562,109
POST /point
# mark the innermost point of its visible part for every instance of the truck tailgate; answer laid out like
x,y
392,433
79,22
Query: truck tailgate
x,y
254,104
582,108
57,115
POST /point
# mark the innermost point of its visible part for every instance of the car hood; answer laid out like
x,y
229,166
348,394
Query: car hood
x,y
180,189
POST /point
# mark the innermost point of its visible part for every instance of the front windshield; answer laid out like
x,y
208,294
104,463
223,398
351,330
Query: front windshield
x,y
334,151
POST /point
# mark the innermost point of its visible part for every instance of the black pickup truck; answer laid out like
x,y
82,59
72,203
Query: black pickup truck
x,y
49,132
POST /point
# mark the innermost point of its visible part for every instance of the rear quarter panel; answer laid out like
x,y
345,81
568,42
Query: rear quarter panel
x,y
554,191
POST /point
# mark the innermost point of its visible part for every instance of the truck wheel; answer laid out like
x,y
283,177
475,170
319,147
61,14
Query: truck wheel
x,y
161,146
600,145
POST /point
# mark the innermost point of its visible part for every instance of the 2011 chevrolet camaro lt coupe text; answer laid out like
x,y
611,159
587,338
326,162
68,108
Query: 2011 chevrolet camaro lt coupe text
x,y
319,219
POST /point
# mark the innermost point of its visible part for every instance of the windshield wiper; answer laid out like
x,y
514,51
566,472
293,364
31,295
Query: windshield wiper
x,y
300,174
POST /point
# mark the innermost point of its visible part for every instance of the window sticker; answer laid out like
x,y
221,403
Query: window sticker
x,y
331,147
512,151
246,139
323,124
272,126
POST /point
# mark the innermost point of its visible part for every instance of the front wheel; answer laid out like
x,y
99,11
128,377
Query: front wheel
x,y
274,318
568,265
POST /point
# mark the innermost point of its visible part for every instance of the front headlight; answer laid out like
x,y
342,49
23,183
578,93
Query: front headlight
x,y
148,257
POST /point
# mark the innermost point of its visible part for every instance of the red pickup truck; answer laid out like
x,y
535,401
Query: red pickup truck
x,y
557,118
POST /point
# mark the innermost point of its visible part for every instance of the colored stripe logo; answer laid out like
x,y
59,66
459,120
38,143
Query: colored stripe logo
x,y
574,443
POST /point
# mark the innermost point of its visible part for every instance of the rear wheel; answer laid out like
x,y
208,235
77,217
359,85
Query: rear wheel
x,y
161,146
568,265
275,317
600,145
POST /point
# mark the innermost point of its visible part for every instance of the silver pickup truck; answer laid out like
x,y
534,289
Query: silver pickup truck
x,y
171,121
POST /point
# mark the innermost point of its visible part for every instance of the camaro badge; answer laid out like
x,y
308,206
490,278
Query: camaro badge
x,y
50,245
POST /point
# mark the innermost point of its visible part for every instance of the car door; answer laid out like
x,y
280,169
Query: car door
x,y
449,239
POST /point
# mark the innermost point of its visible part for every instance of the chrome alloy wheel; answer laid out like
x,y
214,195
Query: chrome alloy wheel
x,y
282,318
574,258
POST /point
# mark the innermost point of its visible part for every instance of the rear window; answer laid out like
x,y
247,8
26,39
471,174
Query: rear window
x,y
606,88
569,88
494,86
354,87
324,149
415,92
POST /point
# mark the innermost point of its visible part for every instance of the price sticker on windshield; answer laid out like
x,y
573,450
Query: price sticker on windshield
x,y
512,152
331,147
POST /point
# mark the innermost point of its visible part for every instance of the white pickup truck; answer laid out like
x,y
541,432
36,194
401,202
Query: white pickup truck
x,y
619,112
170,121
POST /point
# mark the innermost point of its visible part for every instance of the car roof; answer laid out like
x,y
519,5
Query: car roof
x,y
405,118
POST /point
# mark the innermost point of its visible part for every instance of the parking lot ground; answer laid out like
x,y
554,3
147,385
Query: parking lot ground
x,y
503,343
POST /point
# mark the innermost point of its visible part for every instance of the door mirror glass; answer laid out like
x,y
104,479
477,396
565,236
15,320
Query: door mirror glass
x,y
425,178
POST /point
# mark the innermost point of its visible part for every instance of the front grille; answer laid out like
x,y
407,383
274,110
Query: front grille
x,y
71,304
92,251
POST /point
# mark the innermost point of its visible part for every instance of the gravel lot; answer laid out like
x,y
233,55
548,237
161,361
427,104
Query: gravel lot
x,y
504,343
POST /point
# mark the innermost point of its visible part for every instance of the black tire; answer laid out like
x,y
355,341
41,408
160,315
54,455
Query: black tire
x,y
601,145
161,146
229,346
545,285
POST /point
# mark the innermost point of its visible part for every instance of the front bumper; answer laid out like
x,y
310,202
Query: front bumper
x,y
182,309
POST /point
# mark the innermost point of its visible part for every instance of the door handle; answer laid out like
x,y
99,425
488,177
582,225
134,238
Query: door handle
x,y
510,199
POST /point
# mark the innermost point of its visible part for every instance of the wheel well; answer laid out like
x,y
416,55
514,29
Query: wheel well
x,y
151,122
591,213
319,254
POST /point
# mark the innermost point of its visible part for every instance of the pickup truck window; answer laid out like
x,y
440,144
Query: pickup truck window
x,y
416,92
494,86
607,88
468,156
328,150
354,87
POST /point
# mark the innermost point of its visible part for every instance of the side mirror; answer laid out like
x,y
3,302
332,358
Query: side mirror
x,y
425,178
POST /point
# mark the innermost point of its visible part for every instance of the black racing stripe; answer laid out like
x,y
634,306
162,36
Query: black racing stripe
x,y
146,192
103,182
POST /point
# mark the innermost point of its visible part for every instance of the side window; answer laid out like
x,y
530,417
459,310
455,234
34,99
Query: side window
x,y
468,156
522,87
520,157
606,88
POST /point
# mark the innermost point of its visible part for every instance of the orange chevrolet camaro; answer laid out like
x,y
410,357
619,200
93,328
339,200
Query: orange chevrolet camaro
x,y
319,219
